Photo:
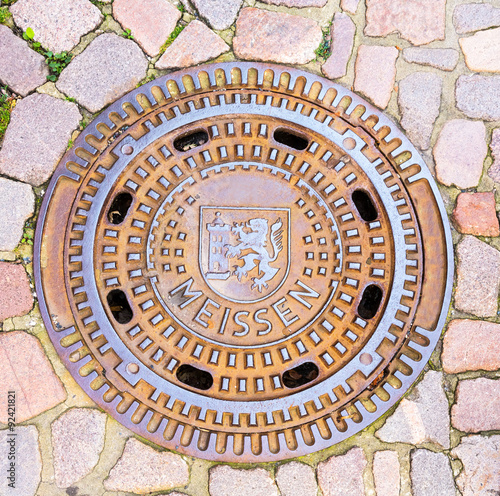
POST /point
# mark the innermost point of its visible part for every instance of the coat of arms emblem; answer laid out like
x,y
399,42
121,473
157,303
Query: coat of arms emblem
x,y
244,252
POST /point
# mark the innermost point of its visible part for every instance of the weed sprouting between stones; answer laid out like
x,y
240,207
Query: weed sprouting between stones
x,y
176,32
5,15
325,47
7,103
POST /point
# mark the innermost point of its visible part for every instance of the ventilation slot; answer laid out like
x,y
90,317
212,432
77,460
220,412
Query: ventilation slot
x,y
300,375
118,304
368,307
292,140
119,208
365,206
196,378
191,140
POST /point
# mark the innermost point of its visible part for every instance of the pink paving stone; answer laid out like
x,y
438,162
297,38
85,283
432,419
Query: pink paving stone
x,y
478,278
149,21
343,475
480,457
376,73
481,51
386,473
471,345
58,24
15,292
475,213
477,406
297,3
294,475
460,152
418,21
196,43
25,369
37,137
431,474
21,68
227,481
349,5
445,59
478,97
342,33
494,171
275,36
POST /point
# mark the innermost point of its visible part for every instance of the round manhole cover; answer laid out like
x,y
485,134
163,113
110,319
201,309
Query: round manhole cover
x,y
243,262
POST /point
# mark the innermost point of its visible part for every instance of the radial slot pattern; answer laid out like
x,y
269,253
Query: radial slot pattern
x,y
243,262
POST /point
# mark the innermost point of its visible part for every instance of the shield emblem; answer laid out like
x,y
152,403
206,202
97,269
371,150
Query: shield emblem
x,y
244,251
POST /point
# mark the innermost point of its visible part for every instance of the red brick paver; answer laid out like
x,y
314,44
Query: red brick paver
x,y
15,296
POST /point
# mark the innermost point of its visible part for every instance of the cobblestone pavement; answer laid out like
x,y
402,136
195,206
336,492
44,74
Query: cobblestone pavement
x,y
433,65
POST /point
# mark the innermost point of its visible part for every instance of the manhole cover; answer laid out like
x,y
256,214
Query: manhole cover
x,y
243,262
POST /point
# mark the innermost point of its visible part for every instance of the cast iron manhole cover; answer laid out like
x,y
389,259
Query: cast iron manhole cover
x,y
243,262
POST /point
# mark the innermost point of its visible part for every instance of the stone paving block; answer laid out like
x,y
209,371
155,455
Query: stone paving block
x,y
471,345
21,68
276,37
107,69
471,17
478,278
418,21
77,442
494,171
28,461
481,460
58,25
460,152
342,32
197,43
343,475
481,51
349,5
17,204
419,99
149,21
386,473
294,476
376,73
297,3
159,470
227,481
475,213
220,14
477,406
478,96
431,474
422,416
25,369
15,292
445,59
37,136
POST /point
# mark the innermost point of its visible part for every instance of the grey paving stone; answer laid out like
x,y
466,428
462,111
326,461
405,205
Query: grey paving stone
x,y
227,481
342,32
107,69
431,474
478,278
197,43
478,96
293,477
445,59
494,171
17,204
28,461
480,456
77,442
470,17
422,416
297,3
289,39
419,99
58,25
159,470
37,137
343,475
220,14
21,68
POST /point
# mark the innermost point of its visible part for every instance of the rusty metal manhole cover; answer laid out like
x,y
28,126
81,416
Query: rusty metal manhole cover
x,y
243,262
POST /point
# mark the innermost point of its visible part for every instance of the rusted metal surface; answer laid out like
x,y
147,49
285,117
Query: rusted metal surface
x,y
243,262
